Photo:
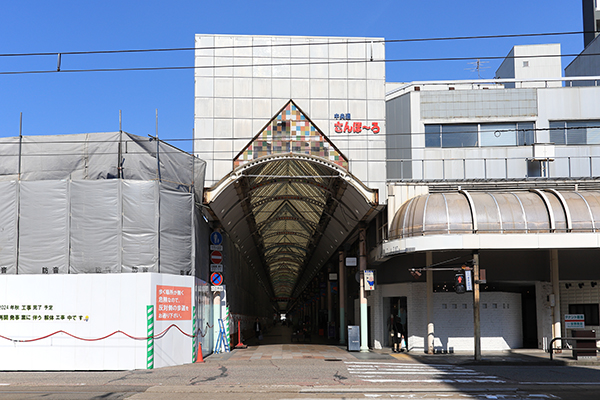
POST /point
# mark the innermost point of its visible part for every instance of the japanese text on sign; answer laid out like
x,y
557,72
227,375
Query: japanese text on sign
x,y
355,127
36,312
342,116
574,321
173,303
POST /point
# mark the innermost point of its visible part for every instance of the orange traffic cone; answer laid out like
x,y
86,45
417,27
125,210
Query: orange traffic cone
x,y
199,358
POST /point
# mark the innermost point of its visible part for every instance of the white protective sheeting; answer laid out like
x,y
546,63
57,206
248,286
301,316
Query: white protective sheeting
x,y
97,203
102,226
86,156
8,227
9,156
95,226
98,156
44,227
140,226
176,238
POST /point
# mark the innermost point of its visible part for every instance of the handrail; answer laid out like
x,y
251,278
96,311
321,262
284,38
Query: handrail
x,y
551,349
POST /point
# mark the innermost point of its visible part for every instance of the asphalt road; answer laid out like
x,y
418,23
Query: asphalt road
x,y
277,370
310,379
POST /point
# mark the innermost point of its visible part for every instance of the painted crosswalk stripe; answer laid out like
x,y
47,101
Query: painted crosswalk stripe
x,y
417,373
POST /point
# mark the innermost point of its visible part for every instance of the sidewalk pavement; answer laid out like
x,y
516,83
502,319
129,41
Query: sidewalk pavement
x,y
508,357
277,344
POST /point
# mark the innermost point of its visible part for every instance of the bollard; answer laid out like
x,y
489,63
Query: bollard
x,y
240,345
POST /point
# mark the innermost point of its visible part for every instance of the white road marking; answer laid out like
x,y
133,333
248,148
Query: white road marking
x,y
421,373
560,383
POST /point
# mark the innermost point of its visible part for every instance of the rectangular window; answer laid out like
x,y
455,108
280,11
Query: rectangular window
x,y
557,132
590,311
575,132
525,133
432,136
459,135
498,135
484,135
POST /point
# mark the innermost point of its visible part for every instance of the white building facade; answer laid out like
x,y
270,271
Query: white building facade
x,y
244,81
518,150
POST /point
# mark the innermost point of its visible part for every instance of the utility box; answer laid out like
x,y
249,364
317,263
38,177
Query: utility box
x,y
353,338
582,346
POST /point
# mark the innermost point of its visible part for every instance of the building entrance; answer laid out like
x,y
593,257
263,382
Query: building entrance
x,y
288,206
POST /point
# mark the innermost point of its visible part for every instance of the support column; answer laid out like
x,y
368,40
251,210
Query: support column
x,y
342,290
329,303
555,280
364,323
476,312
315,309
430,324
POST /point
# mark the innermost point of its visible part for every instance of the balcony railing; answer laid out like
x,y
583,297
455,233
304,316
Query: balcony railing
x,y
587,166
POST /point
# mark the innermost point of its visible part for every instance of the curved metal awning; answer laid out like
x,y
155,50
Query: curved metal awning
x,y
287,208
539,218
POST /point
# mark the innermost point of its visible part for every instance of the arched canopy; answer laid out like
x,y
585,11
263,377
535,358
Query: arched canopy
x,y
536,211
290,202
534,219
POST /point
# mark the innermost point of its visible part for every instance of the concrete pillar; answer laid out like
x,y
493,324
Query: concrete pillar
x,y
555,280
430,324
364,323
342,292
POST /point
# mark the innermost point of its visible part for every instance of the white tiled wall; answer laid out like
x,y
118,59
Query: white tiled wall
x,y
243,81
501,324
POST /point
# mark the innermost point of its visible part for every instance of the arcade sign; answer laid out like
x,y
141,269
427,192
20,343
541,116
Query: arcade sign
x,y
352,127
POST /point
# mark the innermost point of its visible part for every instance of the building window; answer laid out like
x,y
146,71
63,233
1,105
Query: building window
x,y
479,135
575,132
590,312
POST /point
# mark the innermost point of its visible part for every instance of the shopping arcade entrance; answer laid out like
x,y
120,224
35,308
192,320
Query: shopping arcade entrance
x,y
289,204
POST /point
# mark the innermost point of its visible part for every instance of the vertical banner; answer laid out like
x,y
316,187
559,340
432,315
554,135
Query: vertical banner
x,y
150,335
468,280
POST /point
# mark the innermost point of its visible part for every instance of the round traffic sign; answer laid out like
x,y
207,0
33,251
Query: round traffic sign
x,y
216,278
216,257
216,238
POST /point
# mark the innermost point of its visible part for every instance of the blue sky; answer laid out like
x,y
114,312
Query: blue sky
x,y
57,103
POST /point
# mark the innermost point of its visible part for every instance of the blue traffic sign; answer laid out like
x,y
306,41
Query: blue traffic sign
x,y
216,278
216,238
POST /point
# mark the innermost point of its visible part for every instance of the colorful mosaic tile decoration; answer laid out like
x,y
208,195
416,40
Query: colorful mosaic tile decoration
x,y
290,132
